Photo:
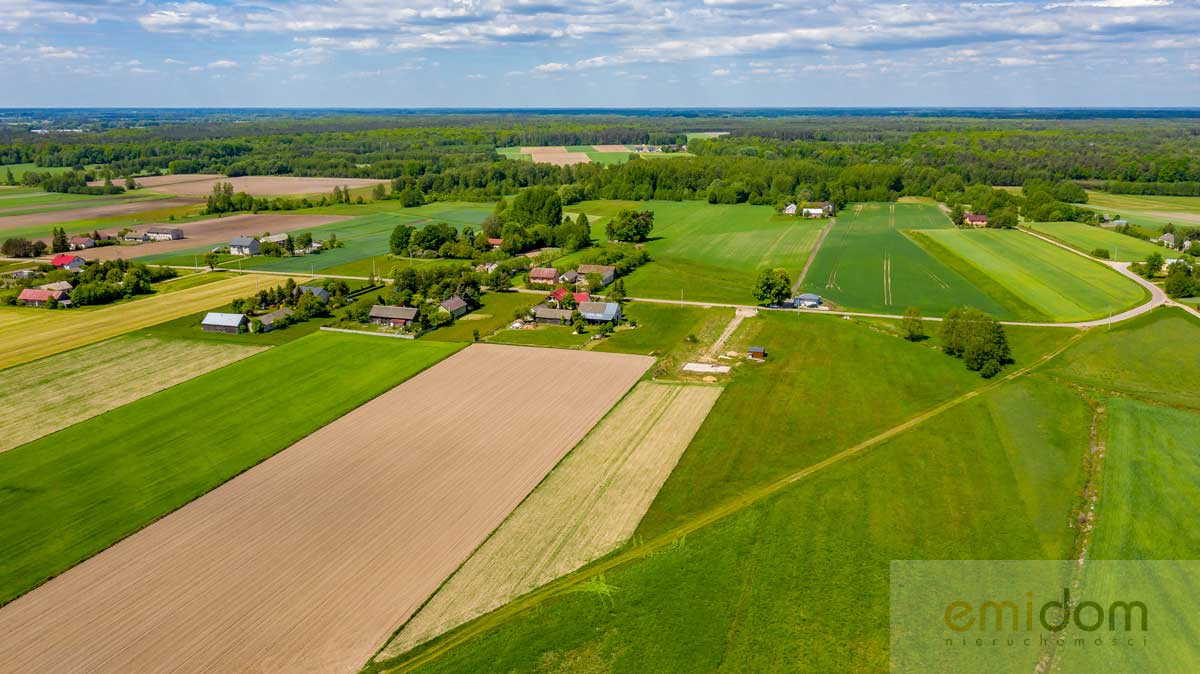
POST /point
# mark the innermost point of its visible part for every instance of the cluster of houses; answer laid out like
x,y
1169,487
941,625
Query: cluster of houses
x,y
251,245
216,321
816,209
40,296
554,312
1170,241
401,317
575,277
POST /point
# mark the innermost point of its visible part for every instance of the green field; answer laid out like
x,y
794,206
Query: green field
x,y
19,170
27,203
1057,283
868,263
801,577
1140,357
1147,210
71,494
710,253
495,312
663,330
1087,238
557,336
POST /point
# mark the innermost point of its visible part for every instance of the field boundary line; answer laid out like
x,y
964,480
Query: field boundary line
x,y
489,621
812,255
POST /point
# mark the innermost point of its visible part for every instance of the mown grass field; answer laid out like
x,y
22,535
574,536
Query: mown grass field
x,y
1147,210
28,202
1087,238
29,333
1057,283
54,392
868,263
710,252
802,577
1143,357
666,331
557,336
495,312
73,493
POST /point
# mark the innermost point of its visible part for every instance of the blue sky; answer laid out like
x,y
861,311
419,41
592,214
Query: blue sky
x,y
598,53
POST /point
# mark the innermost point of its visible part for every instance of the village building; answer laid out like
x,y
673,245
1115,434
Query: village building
x,y
215,321
607,273
270,320
790,209
63,286
600,312
279,239
817,209
543,275
36,297
807,301
560,294
81,242
243,245
495,243
1167,240
164,234
316,291
134,237
67,261
392,317
975,219
570,276
26,273
756,353
455,306
545,314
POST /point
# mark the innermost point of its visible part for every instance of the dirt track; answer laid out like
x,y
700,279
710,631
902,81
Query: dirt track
x,y
309,561
92,212
211,233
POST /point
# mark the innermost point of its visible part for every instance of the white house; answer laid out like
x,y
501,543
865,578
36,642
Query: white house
x,y
790,209
243,245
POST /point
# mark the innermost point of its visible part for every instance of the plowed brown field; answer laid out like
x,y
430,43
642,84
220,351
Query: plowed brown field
x,y
259,186
310,560
92,212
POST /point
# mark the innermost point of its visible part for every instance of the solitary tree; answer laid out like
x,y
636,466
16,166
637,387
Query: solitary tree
x,y
773,286
210,259
912,325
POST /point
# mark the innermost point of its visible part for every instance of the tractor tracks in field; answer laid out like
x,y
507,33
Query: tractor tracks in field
x,y
670,538
813,256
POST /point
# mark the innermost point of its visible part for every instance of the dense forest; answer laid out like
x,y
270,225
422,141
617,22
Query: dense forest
x,y
763,160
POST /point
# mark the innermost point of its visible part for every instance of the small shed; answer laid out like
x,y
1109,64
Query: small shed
x,y
392,317
756,353
545,314
808,301
455,306
63,286
606,272
600,312
570,276
215,321
269,320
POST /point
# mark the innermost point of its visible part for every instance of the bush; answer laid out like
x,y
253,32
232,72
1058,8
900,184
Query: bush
x,y
1101,253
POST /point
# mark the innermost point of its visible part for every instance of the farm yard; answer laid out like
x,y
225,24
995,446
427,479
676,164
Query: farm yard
x,y
870,262
588,506
1086,238
29,333
52,393
1058,284
248,542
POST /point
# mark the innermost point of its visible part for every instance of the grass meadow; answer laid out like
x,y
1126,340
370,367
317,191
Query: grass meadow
x,y
71,494
710,252
1087,238
1147,210
27,203
802,577
867,263
1057,283
495,312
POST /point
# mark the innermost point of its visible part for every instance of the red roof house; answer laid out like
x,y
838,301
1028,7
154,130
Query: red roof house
x,y
67,261
543,275
35,297
975,219
495,242
561,293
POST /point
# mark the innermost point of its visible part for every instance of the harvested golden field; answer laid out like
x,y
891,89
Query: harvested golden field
x,y
52,393
28,333
308,561
587,507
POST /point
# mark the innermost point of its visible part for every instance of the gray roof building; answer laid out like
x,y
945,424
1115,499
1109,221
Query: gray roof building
x,y
600,311
317,291
383,312
456,305
544,314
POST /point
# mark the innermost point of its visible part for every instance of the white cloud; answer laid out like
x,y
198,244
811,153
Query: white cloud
x,y
223,64
720,72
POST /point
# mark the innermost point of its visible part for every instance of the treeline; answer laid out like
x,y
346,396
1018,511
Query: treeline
x,y
1184,189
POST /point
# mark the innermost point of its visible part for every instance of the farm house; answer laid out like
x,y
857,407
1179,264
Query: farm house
x,y
34,297
600,312
606,272
216,321
392,317
67,261
243,245
455,306
545,275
